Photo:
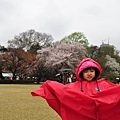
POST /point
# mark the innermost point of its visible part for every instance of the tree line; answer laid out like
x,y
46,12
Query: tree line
x,y
36,55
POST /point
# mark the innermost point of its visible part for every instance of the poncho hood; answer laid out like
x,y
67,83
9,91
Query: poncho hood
x,y
87,63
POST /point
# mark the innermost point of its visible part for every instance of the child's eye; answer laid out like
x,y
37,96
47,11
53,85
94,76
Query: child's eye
x,y
85,71
92,70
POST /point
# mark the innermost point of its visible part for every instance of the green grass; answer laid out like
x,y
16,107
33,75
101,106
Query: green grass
x,y
16,103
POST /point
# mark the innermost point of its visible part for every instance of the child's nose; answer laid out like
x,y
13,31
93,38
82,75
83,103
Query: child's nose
x,y
89,73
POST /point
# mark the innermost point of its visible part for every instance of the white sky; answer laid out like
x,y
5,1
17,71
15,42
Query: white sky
x,y
97,19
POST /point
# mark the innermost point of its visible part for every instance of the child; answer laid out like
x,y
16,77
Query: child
x,y
89,98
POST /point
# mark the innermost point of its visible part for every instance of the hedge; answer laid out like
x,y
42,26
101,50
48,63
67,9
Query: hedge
x,y
16,82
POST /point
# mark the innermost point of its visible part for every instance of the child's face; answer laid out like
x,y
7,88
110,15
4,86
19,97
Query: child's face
x,y
89,74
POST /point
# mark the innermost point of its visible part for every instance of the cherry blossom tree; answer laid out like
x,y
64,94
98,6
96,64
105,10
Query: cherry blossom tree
x,y
63,55
114,66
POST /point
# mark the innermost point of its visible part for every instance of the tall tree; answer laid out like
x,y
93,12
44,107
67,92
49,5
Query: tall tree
x,y
78,37
18,62
109,59
27,39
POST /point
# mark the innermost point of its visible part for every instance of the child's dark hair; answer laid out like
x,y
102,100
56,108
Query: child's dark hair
x,y
97,72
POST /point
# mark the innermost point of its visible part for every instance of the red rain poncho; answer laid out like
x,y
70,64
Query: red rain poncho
x,y
73,104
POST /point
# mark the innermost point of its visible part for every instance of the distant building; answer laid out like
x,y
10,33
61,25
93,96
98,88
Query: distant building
x,y
104,44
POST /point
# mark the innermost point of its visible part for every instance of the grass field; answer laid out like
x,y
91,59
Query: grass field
x,y
16,103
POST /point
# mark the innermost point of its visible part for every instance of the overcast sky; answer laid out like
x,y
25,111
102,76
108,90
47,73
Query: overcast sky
x,y
99,20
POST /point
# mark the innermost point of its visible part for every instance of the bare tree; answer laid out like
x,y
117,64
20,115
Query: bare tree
x,y
26,40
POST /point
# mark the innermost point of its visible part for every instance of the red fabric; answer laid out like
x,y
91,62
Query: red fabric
x,y
72,104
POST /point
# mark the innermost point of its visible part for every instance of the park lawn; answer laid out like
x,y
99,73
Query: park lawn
x,y
16,103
